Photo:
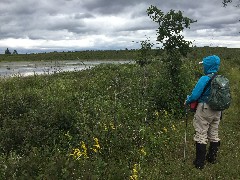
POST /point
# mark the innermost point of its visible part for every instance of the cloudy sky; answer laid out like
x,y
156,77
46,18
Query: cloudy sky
x,y
62,25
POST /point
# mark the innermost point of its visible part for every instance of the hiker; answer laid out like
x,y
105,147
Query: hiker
x,y
206,120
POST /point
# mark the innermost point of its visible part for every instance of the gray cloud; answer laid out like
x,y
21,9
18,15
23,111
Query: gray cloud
x,y
114,23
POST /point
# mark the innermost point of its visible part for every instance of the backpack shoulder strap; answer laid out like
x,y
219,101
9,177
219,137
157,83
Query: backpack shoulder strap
x,y
212,76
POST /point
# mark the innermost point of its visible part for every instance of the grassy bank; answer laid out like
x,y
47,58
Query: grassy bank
x,y
103,124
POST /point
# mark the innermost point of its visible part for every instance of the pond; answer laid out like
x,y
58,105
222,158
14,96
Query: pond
x,y
26,68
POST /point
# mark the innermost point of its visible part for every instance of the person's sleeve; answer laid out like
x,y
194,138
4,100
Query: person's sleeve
x,y
198,89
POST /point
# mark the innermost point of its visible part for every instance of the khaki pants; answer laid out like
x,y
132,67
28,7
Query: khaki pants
x,y
206,122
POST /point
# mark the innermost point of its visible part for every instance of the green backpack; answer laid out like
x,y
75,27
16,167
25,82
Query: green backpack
x,y
220,96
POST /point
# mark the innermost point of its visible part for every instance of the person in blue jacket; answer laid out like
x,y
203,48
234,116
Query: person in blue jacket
x,y
206,120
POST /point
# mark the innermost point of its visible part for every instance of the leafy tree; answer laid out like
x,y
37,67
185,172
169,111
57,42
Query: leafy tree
x,y
7,51
15,52
144,56
171,25
226,2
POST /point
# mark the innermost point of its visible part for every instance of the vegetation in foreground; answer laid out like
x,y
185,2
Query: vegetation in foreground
x,y
110,122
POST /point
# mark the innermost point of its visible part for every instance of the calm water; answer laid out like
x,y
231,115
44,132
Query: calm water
x,y
26,68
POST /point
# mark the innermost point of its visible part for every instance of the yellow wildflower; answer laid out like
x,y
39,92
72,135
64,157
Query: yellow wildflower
x,y
165,129
95,150
96,145
68,136
173,128
76,153
112,125
166,113
143,152
84,153
157,113
105,127
134,176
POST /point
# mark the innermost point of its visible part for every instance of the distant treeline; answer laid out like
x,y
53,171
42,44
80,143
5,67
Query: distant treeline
x,y
113,54
83,55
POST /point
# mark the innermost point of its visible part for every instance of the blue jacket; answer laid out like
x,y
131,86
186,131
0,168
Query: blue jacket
x,y
210,65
